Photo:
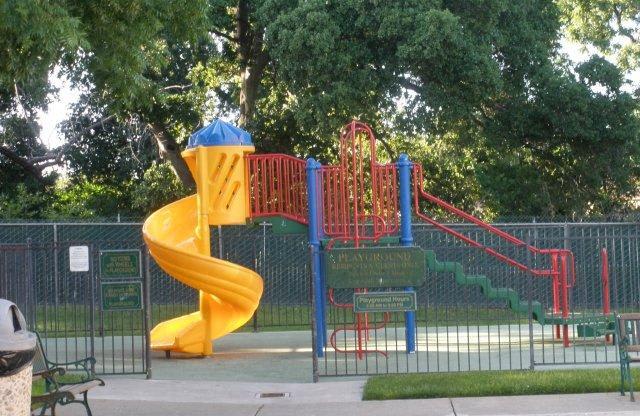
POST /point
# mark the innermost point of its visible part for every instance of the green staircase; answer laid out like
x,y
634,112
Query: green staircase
x,y
588,324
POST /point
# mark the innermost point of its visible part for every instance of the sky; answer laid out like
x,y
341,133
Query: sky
x,y
57,111
61,102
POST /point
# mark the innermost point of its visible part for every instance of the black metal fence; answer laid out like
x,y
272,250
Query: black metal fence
x,y
459,328
64,306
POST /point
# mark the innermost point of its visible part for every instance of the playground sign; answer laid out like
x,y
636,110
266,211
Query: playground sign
x,y
121,296
384,302
375,267
119,264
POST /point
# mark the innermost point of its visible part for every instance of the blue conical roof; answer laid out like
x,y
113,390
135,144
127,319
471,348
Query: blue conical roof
x,y
220,133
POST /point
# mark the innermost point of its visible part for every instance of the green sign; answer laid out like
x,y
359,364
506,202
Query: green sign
x,y
121,296
384,301
375,267
119,264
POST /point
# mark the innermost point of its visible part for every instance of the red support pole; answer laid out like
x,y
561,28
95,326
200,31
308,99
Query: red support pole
x,y
565,299
555,289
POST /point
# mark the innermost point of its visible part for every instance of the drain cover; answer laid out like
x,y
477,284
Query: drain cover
x,y
272,395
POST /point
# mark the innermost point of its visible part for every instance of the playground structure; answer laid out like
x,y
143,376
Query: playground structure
x,y
356,203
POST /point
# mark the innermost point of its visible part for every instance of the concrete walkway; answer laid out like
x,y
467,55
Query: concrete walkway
x,y
129,397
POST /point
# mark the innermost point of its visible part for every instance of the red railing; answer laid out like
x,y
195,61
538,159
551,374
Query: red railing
x,y
278,186
562,260
359,202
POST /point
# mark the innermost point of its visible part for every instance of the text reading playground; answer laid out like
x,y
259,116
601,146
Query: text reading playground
x,y
375,267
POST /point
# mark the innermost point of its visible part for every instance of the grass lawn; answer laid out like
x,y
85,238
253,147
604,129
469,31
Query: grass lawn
x,y
494,383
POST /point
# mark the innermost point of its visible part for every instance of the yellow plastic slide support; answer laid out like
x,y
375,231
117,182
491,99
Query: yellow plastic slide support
x,y
178,238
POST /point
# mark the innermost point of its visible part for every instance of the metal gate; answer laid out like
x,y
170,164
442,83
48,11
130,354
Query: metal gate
x,y
76,309
477,313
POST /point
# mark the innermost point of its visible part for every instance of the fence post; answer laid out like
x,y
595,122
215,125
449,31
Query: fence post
x,y
55,266
406,238
29,302
92,305
530,280
316,348
262,260
568,295
147,312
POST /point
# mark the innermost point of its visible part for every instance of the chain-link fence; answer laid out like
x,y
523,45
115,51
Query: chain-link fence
x,y
282,260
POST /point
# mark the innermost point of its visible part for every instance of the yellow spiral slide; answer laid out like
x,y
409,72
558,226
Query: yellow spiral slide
x,y
179,240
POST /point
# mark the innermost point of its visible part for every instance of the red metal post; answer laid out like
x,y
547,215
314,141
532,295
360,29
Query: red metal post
x,y
565,299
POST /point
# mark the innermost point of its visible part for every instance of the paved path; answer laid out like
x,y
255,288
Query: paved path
x,y
130,397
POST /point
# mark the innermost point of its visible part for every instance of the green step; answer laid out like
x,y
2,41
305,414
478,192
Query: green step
x,y
596,323
499,293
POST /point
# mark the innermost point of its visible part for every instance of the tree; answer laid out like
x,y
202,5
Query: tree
x,y
486,74
569,146
612,26
121,49
477,88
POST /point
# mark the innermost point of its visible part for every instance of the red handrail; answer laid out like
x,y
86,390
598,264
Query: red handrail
x,y
420,192
559,270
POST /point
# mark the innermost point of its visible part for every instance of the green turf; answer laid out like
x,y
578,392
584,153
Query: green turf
x,y
74,320
494,383
66,321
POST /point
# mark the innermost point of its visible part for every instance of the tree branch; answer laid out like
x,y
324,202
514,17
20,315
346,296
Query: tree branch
x,y
176,87
225,36
407,84
30,168
621,29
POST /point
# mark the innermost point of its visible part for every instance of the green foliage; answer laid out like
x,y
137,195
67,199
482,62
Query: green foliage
x,y
567,146
34,36
84,199
158,187
103,149
474,90
22,203
612,26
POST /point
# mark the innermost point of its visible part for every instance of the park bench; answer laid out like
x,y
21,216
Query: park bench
x,y
628,334
57,391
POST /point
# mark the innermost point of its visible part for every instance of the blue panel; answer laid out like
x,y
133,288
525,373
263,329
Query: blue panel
x,y
220,133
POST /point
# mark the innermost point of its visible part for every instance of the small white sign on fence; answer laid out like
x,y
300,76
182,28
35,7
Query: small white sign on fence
x,y
79,258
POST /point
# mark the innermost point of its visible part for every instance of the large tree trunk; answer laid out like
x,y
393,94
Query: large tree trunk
x,y
170,151
253,60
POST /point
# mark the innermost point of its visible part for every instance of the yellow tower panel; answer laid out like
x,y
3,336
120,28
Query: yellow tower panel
x,y
223,189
